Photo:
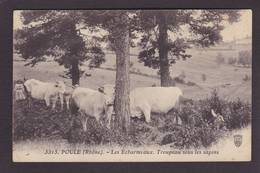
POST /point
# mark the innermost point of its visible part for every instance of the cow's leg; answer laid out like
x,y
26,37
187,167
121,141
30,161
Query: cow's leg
x,y
178,107
47,100
147,113
29,101
84,120
98,118
109,121
109,112
61,101
54,101
67,102
84,123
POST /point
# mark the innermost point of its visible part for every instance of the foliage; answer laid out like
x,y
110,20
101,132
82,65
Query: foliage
x,y
203,77
246,78
56,34
220,59
232,61
38,122
245,58
197,129
204,27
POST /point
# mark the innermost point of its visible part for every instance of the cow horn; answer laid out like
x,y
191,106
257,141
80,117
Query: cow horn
x,y
213,113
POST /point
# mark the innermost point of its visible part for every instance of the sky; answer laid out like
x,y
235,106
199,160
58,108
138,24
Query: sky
x,y
240,29
237,30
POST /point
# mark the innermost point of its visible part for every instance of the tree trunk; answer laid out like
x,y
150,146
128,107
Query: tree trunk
x,y
75,72
122,101
163,51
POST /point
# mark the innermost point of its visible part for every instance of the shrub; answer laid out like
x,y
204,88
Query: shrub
x,y
179,80
246,78
203,77
232,61
37,122
245,58
189,83
182,75
238,114
220,59
131,64
197,129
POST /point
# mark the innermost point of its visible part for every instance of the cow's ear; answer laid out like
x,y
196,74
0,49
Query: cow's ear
x,y
101,89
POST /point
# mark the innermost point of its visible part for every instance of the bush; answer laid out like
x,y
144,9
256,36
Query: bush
x,y
38,122
238,114
246,78
198,128
182,75
232,61
220,59
179,80
203,77
131,64
189,83
245,58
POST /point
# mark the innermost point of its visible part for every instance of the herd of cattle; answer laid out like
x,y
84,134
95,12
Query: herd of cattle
x,y
100,103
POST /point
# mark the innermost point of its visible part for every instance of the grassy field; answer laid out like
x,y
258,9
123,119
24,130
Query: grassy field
x,y
40,124
227,79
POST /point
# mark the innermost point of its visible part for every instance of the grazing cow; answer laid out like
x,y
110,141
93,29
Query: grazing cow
x,y
218,119
45,91
154,99
92,103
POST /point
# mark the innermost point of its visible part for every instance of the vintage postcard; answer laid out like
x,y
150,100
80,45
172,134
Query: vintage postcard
x,y
132,85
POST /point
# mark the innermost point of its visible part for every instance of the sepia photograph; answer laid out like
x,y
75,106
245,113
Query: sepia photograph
x,y
169,85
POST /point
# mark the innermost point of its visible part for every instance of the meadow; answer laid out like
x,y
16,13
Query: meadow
x,y
222,88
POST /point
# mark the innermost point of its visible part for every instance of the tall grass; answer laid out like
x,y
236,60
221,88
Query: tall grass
x,y
198,128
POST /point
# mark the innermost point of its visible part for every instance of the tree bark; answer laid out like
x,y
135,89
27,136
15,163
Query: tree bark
x,y
75,72
163,51
122,101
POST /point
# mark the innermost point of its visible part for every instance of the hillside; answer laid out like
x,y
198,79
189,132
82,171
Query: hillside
x,y
226,78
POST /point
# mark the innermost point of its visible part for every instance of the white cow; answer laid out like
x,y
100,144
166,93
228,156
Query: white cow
x,y
45,91
153,99
92,103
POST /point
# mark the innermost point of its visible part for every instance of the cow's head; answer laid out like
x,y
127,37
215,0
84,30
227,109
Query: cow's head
x,y
20,92
218,119
61,86
109,93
